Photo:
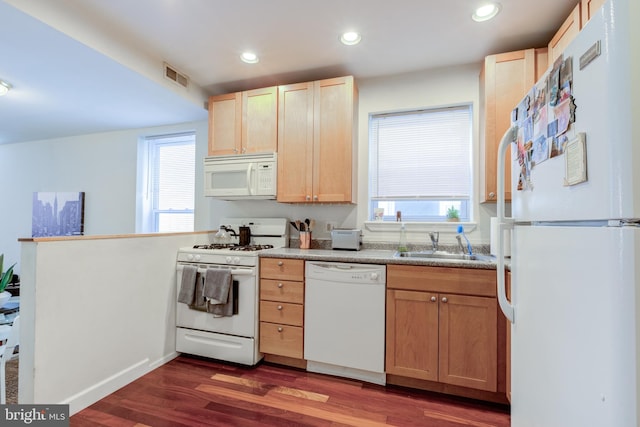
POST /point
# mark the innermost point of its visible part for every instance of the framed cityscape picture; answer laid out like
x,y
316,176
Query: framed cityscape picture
x,y
57,214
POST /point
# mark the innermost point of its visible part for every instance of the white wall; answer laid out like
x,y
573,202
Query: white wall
x,y
102,165
424,89
96,314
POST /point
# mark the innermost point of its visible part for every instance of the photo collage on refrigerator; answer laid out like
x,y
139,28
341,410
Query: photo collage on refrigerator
x,y
544,118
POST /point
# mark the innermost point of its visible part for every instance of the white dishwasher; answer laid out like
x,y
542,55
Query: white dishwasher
x,y
344,319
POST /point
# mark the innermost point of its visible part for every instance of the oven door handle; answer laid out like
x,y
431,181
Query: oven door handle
x,y
236,272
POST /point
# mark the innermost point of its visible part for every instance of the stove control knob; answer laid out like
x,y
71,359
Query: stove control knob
x,y
236,260
228,260
197,257
189,257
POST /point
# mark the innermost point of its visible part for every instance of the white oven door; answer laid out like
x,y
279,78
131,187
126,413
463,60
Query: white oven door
x,y
242,324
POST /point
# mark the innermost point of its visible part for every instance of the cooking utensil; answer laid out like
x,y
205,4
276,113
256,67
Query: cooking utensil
x,y
293,224
245,235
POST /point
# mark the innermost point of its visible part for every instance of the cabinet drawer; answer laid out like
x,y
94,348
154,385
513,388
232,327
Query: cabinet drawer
x,y
281,312
282,290
282,269
466,281
283,340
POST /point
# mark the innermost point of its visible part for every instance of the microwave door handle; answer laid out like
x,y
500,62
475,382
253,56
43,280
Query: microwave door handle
x,y
249,170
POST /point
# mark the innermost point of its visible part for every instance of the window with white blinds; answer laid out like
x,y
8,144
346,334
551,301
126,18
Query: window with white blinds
x,y
420,163
171,183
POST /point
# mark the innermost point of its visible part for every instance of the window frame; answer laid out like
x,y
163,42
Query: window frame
x,y
466,204
148,212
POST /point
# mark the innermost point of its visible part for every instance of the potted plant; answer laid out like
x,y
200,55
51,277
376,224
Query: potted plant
x,y
5,278
452,214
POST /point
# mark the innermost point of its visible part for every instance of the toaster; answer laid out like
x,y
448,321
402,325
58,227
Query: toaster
x,y
347,239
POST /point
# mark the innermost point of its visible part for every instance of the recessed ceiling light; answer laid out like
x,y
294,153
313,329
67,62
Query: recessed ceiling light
x,y
249,57
350,38
486,12
4,87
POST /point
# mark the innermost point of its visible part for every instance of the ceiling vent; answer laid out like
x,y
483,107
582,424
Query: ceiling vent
x,y
176,77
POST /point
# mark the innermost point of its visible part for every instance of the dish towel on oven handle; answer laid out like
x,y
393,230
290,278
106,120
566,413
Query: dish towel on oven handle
x,y
188,284
218,292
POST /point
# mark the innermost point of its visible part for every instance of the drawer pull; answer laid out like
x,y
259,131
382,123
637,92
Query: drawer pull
x,y
280,263
279,307
444,299
280,285
433,299
279,328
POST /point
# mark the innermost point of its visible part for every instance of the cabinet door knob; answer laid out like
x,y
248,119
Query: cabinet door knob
x,y
280,263
279,329
444,299
280,285
308,197
279,307
315,198
492,195
433,299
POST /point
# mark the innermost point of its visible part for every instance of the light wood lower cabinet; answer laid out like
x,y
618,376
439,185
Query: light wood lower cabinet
x,y
442,325
282,307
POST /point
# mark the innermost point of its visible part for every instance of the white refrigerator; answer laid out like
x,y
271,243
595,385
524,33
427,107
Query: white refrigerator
x,y
575,248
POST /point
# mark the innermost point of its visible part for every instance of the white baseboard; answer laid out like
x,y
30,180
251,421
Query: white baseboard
x,y
92,394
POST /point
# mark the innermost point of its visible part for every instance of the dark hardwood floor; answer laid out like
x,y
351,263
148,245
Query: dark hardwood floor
x,y
190,391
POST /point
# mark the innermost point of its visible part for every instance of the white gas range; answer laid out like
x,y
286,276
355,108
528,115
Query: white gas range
x,y
233,337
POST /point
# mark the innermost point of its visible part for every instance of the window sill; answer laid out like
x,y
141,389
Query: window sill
x,y
446,227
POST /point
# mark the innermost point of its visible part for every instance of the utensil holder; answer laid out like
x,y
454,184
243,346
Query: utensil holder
x,y
305,240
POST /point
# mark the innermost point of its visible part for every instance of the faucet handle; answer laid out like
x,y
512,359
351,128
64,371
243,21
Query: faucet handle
x,y
435,236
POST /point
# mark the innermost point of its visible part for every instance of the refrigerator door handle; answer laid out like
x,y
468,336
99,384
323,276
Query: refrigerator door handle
x,y
503,223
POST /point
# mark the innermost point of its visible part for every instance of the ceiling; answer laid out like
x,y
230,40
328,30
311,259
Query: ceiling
x,y
87,66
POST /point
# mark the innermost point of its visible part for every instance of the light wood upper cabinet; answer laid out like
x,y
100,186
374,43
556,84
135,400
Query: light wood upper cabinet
x,y
225,123
589,8
567,32
504,81
316,141
244,122
295,142
442,325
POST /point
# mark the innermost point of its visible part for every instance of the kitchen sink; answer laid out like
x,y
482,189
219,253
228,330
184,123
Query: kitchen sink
x,y
441,255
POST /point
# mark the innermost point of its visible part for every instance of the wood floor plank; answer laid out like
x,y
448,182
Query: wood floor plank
x,y
297,407
192,391
273,389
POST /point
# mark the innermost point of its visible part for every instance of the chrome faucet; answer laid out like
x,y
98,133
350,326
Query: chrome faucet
x,y
435,236
462,248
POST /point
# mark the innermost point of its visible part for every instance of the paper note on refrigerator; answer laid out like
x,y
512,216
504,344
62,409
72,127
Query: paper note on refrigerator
x,y
576,160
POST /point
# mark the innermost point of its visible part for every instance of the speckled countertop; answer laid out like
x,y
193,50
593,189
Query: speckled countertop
x,y
375,256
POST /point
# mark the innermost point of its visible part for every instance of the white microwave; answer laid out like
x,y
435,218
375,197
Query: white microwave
x,y
243,176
